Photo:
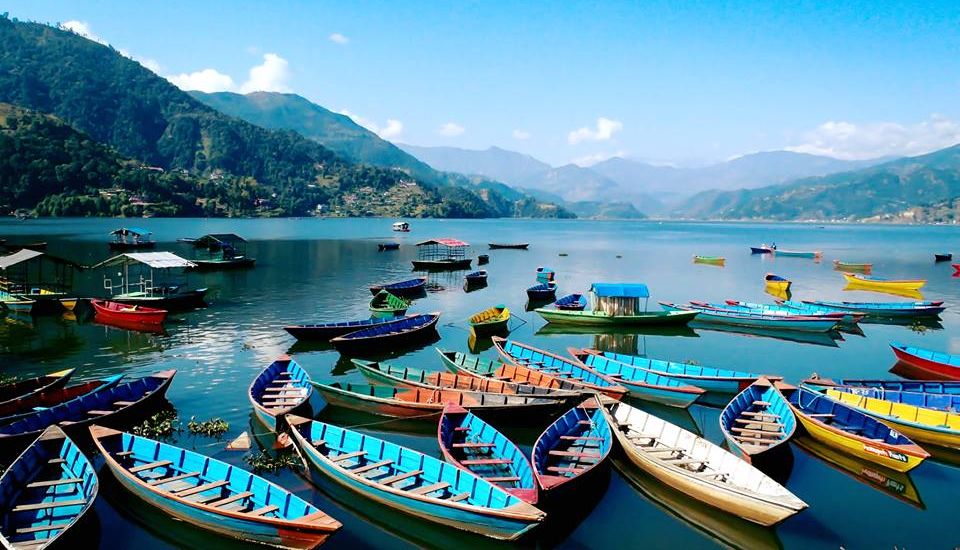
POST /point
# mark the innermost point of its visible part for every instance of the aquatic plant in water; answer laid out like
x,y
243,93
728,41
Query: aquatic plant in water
x,y
163,424
212,427
264,462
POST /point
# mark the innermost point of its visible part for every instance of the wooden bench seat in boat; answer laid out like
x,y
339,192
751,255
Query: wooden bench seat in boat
x,y
762,433
200,488
122,454
264,511
666,449
581,438
400,477
149,466
565,469
686,461
45,505
821,415
162,480
759,422
373,466
41,528
348,456
761,403
54,482
472,445
123,403
230,499
485,461
56,461
501,479
574,454
758,414
96,412
458,498
426,489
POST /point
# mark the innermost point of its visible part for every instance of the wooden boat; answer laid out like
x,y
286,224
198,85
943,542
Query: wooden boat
x,y
475,446
641,383
385,303
418,402
801,323
112,406
483,259
409,377
31,387
849,266
393,334
132,238
942,364
758,420
441,255
713,260
764,249
171,298
600,318
881,309
325,331
69,303
542,291
849,319
571,302
11,410
18,305
887,284
476,277
539,382
494,320
572,448
280,389
921,425
776,282
956,269
851,431
797,253
213,264
698,468
514,246
388,246
403,227
942,257
708,378
412,482
46,491
935,401
210,494
915,386
561,367
108,311
546,275
404,289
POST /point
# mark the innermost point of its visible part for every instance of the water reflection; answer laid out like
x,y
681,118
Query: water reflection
x,y
913,294
829,339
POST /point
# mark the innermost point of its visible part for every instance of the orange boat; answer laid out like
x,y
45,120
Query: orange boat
x,y
108,311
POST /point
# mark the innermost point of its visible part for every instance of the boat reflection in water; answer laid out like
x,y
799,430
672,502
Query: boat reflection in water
x,y
828,339
904,370
914,294
625,340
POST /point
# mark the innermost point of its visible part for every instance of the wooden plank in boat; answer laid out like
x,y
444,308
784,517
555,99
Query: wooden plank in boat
x,y
821,415
122,454
54,482
45,505
761,403
761,433
96,412
685,461
162,480
123,403
149,466
373,466
348,456
264,511
760,414
458,498
472,445
581,438
485,461
400,477
41,528
665,449
201,488
565,469
230,499
429,488
760,422
501,479
56,461
574,454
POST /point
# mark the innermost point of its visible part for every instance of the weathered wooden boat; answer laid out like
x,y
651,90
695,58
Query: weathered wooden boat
x,y
494,320
29,388
849,266
571,302
396,333
600,318
939,428
404,289
388,246
280,389
108,311
442,255
16,408
712,260
799,323
572,448
418,402
542,291
942,257
572,371
776,282
888,284
514,246
880,309
643,384
412,482
710,379
850,319
132,238
758,420
942,364
851,431
384,303
476,277
475,446
764,249
210,494
45,491
325,331
538,381
697,467
797,253
112,406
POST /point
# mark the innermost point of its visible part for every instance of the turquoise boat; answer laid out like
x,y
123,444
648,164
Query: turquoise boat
x,y
758,421
412,482
477,447
280,389
572,449
524,355
880,309
845,318
207,493
642,383
710,379
800,323
937,401
45,491
916,386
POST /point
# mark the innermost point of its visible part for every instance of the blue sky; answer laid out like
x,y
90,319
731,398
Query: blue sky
x,y
573,81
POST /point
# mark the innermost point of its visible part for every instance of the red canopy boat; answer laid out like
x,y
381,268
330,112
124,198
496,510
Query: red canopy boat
x,y
115,311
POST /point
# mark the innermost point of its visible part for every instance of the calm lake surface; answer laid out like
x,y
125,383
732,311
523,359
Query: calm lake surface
x,y
316,270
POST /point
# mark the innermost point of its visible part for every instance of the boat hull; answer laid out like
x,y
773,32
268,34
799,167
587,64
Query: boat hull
x,y
876,453
441,265
894,285
939,368
182,301
591,318
421,333
938,432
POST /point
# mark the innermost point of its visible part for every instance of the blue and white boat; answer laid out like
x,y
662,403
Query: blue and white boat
x,y
394,334
516,353
280,389
573,448
323,332
642,383
845,318
405,289
800,323
758,420
881,309
710,379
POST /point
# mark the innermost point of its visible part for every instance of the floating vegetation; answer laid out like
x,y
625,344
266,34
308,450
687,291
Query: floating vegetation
x,y
919,327
7,379
691,362
163,424
211,428
264,462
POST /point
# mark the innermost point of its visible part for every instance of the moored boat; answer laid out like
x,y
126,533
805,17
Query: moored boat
x,y
388,246
26,389
781,308
207,493
132,238
937,362
17,305
776,282
816,254
325,331
472,365
280,389
573,447
933,401
384,303
939,428
881,309
108,311
713,260
11,410
887,284
942,257
571,302
476,277
917,386
493,320
800,323
400,332
601,318
708,378
758,420
850,266
762,249
442,255
641,383
542,291
514,246
573,371
404,289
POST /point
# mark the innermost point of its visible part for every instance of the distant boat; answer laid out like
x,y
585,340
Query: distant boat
x,y
542,291
401,226
757,320
476,277
388,246
798,253
942,257
483,259
762,249
132,238
712,260
848,266
514,246
404,289
880,283
776,282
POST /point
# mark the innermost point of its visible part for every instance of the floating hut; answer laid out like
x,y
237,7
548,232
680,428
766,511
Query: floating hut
x,y
32,275
442,254
155,279
616,299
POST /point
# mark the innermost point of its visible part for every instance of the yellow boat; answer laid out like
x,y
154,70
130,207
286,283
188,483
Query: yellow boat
x,y
776,284
490,321
68,303
885,284
923,425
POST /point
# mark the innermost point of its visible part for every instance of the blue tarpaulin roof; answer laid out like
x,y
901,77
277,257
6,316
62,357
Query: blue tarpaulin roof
x,y
620,290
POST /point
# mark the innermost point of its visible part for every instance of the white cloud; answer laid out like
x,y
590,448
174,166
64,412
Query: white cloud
x,y
451,129
590,160
392,129
521,134
207,80
83,29
848,140
270,76
338,38
603,132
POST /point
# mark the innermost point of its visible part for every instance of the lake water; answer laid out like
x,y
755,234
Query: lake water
x,y
315,270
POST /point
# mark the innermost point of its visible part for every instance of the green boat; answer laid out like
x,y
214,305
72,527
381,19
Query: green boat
x,y
599,318
385,303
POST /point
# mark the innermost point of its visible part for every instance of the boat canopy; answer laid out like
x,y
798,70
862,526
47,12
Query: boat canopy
x,y
452,243
220,239
441,250
155,260
134,231
18,257
620,290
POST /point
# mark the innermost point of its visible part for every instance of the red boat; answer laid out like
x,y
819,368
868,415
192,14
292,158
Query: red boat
x,y
956,270
944,365
108,311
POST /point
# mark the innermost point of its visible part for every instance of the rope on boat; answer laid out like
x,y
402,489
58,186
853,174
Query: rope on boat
x,y
522,321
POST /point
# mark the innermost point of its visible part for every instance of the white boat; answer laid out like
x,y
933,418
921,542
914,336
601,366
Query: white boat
x,y
401,226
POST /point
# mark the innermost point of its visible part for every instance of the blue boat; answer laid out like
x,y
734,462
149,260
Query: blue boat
x,y
937,401
642,383
800,323
388,246
516,353
883,309
571,302
412,482
546,275
207,493
113,406
391,335
45,492
845,318
410,287
710,379
542,291
20,389
758,420
326,331
572,448
915,386
476,277
479,448
25,406
280,389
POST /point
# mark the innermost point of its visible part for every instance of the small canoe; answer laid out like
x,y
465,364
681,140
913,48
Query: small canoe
x,y
405,289
713,260
236,262
483,259
849,266
882,309
514,246
412,482
26,389
18,305
641,383
542,291
781,309
326,331
494,320
704,471
916,386
524,355
571,302
476,277
851,431
942,257
12,410
801,323
409,377
710,379
776,282
108,311
939,363
600,318
573,447
761,250
758,420
538,381
204,492
890,284
280,389
938,428
797,253
394,334
475,446
388,304
388,246
45,492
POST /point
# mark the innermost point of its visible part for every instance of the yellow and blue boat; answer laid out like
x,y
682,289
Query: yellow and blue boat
x,y
901,285
940,428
